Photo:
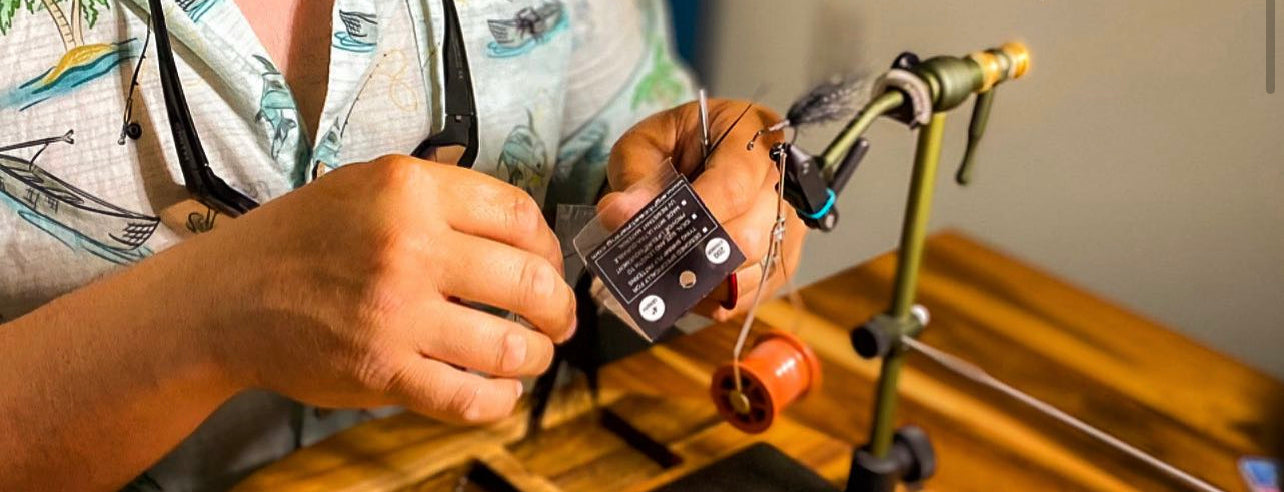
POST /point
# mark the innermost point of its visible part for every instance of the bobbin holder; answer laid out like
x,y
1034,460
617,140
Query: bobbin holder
x,y
917,93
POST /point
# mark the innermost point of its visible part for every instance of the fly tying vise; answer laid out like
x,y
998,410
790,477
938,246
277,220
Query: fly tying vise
x,y
749,393
919,94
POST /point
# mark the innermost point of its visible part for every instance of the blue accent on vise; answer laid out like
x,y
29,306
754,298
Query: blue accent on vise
x,y
824,210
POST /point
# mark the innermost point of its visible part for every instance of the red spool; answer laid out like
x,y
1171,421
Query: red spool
x,y
778,371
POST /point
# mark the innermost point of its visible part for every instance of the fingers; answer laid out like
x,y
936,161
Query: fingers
x,y
752,230
435,389
749,280
505,277
732,173
750,277
736,183
483,206
486,343
642,151
617,207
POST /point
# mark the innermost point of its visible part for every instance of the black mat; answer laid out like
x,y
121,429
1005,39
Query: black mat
x,y
757,468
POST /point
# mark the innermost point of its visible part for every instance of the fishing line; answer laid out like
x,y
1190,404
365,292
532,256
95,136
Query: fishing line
x,y
976,374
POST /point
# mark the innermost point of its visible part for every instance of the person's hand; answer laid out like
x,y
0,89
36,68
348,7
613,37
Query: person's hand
x,y
348,292
737,184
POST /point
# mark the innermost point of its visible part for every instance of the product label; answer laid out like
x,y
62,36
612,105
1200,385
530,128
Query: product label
x,y
666,258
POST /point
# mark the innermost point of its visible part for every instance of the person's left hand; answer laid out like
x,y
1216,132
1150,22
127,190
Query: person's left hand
x,y
737,184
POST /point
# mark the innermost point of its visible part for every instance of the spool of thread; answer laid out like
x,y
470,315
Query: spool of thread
x,y
778,371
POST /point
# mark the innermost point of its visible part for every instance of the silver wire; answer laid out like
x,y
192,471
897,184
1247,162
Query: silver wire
x,y
704,123
769,262
974,373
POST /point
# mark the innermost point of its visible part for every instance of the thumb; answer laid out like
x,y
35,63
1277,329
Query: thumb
x,y
617,207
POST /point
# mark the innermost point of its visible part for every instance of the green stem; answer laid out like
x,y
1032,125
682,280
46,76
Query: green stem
x,y
909,258
847,138
880,438
917,211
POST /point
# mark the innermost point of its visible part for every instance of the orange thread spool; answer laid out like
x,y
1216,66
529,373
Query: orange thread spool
x,y
778,371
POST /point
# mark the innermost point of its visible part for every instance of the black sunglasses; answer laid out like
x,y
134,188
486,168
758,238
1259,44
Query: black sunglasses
x,y
460,128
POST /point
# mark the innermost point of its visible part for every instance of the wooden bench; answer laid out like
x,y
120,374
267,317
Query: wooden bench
x,y
1158,390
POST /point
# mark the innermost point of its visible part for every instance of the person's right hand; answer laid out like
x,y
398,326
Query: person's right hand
x,y
347,292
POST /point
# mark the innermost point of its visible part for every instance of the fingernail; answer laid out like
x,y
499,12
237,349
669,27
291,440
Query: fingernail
x,y
514,352
518,388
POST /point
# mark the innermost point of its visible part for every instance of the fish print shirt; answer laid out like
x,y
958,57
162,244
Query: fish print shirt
x,y
555,82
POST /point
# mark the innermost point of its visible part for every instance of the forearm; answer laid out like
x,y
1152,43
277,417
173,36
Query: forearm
x,y
100,383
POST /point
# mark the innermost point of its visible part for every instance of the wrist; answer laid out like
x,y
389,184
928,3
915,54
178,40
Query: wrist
x,y
174,307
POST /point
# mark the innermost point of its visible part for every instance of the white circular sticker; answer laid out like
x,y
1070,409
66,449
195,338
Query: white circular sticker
x,y
717,250
651,308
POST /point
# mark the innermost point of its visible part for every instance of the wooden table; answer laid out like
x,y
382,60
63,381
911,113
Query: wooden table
x,y
1158,390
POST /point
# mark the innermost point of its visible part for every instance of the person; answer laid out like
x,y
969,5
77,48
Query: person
x,y
152,343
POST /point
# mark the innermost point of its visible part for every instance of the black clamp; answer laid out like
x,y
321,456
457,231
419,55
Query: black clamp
x,y
905,113
911,460
806,188
876,337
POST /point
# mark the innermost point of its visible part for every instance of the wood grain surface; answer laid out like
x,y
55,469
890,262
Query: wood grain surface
x,y
1196,408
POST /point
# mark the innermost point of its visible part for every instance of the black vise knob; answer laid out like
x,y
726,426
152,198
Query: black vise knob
x,y
915,453
875,337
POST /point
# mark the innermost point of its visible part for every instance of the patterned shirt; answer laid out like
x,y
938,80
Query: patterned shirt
x,y
555,81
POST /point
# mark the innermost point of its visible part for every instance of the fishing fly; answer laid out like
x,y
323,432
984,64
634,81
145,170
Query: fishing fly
x,y
829,101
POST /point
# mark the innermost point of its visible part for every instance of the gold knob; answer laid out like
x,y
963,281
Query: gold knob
x,y
1018,57
991,69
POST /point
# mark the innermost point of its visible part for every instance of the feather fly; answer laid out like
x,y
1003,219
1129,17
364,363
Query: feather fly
x,y
832,100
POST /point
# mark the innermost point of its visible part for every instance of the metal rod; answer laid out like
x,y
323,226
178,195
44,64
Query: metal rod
x,y
847,138
913,235
974,373
880,439
704,124
917,212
